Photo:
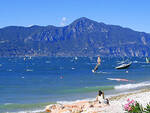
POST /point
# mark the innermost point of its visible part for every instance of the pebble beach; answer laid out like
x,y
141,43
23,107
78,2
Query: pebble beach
x,y
116,104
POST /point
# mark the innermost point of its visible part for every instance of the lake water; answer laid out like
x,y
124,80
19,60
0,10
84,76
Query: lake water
x,y
29,84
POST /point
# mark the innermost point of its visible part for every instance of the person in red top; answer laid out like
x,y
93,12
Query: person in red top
x,y
98,63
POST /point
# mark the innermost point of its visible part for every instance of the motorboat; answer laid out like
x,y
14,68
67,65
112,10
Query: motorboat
x,y
123,66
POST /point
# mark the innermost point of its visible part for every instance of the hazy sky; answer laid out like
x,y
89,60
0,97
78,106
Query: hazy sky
x,y
134,14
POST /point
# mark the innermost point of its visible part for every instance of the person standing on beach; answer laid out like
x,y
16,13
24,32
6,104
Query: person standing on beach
x,y
98,63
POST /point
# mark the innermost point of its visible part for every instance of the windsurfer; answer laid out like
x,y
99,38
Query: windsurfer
x,y
98,63
147,60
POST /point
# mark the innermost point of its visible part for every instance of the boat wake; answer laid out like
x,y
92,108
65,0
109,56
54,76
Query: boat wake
x,y
120,79
101,72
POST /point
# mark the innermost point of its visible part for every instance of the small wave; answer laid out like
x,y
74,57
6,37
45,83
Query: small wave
x,y
135,61
141,62
23,108
132,86
145,66
29,70
102,72
88,89
75,101
9,70
34,111
61,67
8,103
48,62
120,62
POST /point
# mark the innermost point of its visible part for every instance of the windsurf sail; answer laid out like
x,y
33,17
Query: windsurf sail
x,y
98,63
96,68
147,60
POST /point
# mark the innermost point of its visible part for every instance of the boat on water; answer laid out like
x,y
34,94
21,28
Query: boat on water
x,y
123,66
147,60
76,58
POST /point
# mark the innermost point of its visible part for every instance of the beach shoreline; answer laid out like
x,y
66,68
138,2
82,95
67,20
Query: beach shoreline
x,y
116,103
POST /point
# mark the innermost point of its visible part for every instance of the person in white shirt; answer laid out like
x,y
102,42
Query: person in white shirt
x,y
101,99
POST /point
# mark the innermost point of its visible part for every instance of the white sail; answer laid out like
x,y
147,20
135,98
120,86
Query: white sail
x,y
147,60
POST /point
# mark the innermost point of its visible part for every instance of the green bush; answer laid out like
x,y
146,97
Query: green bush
x,y
135,107
147,109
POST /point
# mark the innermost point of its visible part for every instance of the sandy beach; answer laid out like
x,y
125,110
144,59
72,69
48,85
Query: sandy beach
x,y
115,106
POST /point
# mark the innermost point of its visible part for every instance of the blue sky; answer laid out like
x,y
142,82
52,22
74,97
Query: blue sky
x,y
134,14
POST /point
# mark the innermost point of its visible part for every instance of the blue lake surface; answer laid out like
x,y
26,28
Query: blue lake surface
x,y
32,83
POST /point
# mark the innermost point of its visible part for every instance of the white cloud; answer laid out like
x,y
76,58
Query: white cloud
x,y
64,18
30,25
63,21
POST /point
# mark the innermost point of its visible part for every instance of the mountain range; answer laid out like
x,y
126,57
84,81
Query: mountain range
x,y
83,37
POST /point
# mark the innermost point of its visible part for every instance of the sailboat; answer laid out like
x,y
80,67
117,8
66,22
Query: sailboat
x,y
147,60
30,57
